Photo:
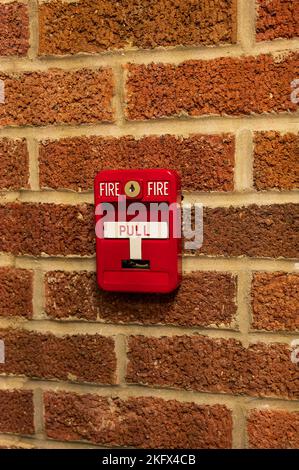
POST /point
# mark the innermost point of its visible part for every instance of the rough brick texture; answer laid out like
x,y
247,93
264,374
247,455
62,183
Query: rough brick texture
x,y
258,231
57,229
16,411
95,26
14,29
16,290
57,97
219,87
213,365
275,301
266,231
72,294
276,161
78,358
14,164
277,19
137,422
273,429
206,163
203,299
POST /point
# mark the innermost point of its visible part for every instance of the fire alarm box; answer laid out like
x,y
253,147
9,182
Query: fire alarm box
x,y
138,230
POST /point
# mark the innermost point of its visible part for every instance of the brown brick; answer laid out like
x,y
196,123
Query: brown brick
x,y
72,294
144,422
277,19
14,29
16,411
57,97
213,365
232,86
47,228
273,429
79,358
275,301
16,290
258,231
276,160
14,164
95,26
204,298
205,162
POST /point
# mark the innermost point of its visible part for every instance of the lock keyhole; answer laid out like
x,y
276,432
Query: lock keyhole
x,y
132,188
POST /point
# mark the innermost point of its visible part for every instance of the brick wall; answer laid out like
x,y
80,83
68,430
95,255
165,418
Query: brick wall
x,y
205,87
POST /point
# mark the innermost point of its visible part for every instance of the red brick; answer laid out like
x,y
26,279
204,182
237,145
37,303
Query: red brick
x,y
78,358
277,19
205,162
257,231
275,301
72,294
224,86
57,97
204,298
14,29
273,429
276,161
213,365
16,411
16,290
144,422
57,229
95,26
14,164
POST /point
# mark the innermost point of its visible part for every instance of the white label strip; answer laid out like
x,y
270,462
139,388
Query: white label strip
x,y
136,232
135,229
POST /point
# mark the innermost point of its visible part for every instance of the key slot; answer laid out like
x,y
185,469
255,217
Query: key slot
x,y
135,264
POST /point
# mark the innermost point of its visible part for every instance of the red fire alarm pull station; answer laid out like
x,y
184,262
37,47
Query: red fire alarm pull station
x,y
138,230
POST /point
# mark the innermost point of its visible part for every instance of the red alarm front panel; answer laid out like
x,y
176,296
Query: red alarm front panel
x,y
138,230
